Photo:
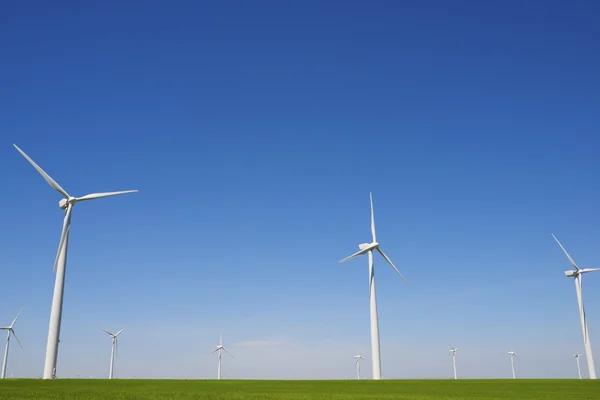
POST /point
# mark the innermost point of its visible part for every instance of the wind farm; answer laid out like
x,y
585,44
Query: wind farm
x,y
364,248
300,200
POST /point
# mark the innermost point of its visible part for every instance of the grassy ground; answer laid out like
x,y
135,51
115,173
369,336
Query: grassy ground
x,y
521,389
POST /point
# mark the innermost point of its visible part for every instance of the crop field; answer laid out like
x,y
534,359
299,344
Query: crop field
x,y
521,389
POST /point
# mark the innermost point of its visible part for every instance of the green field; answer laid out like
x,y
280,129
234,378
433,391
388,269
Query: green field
x,y
521,389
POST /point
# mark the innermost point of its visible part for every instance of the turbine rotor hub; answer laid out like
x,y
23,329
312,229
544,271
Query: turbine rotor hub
x,y
63,203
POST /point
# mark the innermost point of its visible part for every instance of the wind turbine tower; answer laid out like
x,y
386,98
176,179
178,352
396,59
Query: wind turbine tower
x,y
453,351
577,275
512,354
369,248
60,264
10,331
578,366
219,349
115,346
358,357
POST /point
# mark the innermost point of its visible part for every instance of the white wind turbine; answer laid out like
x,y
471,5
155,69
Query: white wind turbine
x,y
115,346
577,275
512,355
358,357
578,366
10,330
368,248
219,349
60,264
453,351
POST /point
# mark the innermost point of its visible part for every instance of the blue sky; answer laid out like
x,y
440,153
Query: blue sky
x,y
254,134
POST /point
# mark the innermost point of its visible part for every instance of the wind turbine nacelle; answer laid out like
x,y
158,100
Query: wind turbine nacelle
x,y
63,203
570,274
363,246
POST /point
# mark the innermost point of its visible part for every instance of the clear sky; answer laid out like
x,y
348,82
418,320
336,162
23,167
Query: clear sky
x,y
255,132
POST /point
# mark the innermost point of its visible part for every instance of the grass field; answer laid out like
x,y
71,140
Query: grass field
x,y
521,389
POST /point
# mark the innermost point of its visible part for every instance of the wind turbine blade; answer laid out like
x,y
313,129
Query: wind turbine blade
x,y
47,177
590,269
63,235
93,196
15,335
118,333
358,253
16,318
390,262
567,254
107,332
214,351
221,338
372,219
227,352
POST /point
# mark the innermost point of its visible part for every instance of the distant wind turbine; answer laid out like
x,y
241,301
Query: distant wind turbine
x,y
358,357
453,351
115,346
219,349
369,248
10,331
578,366
60,263
577,275
512,355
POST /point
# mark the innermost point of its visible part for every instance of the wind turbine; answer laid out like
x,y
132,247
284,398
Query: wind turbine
x,y
368,248
219,349
358,357
512,354
10,330
577,275
60,264
578,367
453,351
115,345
